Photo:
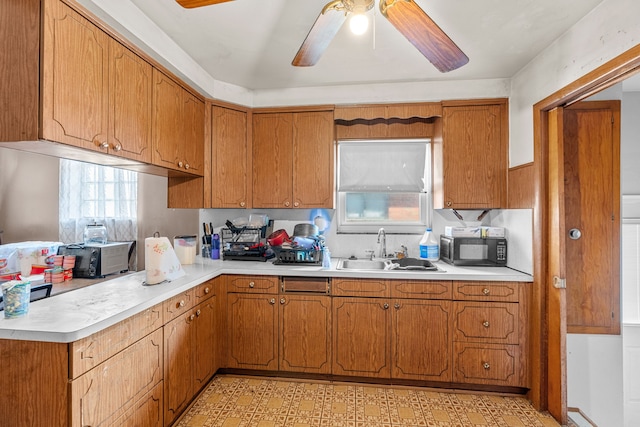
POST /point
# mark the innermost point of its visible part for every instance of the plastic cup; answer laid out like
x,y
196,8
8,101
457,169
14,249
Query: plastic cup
x,y
16,295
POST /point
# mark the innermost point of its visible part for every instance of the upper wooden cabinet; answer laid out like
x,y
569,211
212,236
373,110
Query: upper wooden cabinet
x,y
230,158
470,155
293,159
178,126
96,93
75,79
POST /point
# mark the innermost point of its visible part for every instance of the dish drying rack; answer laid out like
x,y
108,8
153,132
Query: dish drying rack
x,y
244,244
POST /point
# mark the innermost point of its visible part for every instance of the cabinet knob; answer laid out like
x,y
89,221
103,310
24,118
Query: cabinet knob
x,y
486,291
193,316
198,312
104,144
242,204
485,323
206,291
180,164
287,203
186,165
486,365
449,203
397,306
296,204
272,301
251,284
282,301
385,306
117,147
181,303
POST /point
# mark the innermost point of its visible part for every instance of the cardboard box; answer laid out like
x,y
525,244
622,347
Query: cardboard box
x,y
493,232
451,231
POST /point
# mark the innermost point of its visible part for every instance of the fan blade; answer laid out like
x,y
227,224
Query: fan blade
x,y
189,4
323,31
424,34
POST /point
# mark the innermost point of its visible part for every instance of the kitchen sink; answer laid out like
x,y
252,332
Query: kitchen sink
x,y
363,264
396,264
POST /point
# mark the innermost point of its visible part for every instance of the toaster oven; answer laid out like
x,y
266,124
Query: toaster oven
x,y
98,260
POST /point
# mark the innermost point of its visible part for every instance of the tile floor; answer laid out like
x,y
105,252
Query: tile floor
x,y
252,401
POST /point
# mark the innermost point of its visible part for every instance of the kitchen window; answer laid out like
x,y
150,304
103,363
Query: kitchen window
x,y
383,183
90,192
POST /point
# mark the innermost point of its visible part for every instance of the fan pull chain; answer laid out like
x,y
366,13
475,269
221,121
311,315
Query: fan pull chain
x,y
374,28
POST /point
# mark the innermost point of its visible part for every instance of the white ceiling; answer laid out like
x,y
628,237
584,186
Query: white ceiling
x,y
250,43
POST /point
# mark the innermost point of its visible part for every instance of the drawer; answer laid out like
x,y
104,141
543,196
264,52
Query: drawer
x,y
490,364
486,291
361,288
177,305
95,349
486,322
204,291
423,289
260,284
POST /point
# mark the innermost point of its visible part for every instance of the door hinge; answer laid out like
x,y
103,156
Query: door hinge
x,y
559,283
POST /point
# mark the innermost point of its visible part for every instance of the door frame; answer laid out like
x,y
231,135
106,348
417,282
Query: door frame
x,y
542,342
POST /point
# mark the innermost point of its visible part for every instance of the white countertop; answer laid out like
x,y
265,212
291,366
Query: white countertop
x,y
74,315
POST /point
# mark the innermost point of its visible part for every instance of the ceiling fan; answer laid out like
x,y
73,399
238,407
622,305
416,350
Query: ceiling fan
x,y
405,15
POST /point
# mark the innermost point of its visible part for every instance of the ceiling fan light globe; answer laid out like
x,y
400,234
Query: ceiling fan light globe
x,y
359,23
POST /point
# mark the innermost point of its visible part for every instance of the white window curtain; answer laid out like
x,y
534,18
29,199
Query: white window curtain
x,y
374,166
89,193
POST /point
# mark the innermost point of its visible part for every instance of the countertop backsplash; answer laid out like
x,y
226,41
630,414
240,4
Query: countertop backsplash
x,y
518,222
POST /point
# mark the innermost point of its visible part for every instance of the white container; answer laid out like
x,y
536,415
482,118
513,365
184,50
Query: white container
x,y
429,246
185,248
450,231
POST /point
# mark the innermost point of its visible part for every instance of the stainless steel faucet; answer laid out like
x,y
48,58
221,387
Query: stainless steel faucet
x,y
382,243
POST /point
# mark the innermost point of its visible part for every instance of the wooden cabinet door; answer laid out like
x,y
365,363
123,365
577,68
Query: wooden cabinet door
x,y
305,333
421,341
191,145
146,412
167,121
272,160
75,82
130,103
361,328
107,391
178,383
252,325
204,339
474,158
313,159
230,159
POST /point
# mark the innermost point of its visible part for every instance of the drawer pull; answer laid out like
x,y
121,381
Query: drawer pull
x,y
486,291
282,301
486,365
181,303
206,291
385,306
193,316
397,306
485,323
272,301
198,313
251,284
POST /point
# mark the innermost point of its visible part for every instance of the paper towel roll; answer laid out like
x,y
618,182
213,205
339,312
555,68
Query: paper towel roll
x,y
161,262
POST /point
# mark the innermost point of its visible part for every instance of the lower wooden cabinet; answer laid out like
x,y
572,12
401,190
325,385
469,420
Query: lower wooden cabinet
x,y
361,337
146,412
421,340
252,328
189,359
107,392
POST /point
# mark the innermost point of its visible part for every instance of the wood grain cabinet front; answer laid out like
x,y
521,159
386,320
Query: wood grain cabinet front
x,y
259,284
293,159
470,155
109,391
489,334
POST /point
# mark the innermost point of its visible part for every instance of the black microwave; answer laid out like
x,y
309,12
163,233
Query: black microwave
x,y
475,251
